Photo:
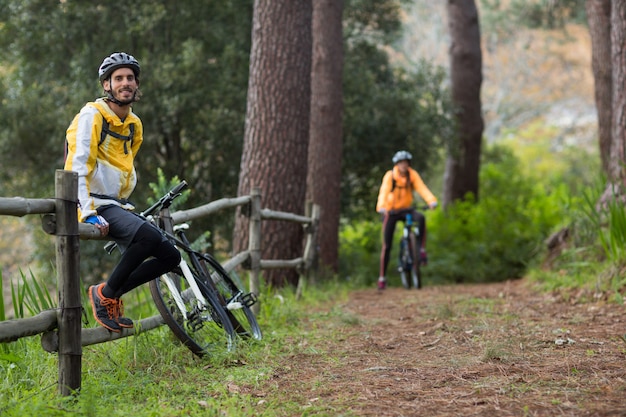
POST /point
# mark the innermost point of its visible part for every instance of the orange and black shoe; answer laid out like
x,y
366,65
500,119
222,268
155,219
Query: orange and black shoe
x,y
104,309
122,321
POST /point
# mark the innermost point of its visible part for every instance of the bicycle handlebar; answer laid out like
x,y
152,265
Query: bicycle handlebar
x,y
163,202
419,208
166,200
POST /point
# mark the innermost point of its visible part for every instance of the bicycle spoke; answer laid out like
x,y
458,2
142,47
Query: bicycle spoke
x,y
237,302
194,320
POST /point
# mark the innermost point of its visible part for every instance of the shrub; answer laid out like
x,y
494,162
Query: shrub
x,y
359,251
497,237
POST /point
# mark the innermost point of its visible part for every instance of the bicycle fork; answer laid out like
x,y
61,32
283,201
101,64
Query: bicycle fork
x,y
193,289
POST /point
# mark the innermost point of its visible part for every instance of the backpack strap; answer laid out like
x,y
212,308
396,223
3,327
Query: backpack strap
x,y
393,182
106,131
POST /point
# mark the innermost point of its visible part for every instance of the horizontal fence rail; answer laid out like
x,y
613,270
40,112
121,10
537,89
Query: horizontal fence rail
x,y
61,328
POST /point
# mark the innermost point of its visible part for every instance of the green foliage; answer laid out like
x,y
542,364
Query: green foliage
x,y
163,185
544,154
377,21
498,237
359,251
536,14
590,257
31,295
201,239
609,221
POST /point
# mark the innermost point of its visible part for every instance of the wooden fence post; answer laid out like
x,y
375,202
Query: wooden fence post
x,y
254,243
68,281
310,257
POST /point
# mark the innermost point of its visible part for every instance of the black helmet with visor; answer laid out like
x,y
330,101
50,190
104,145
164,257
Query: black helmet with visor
x,y
115,61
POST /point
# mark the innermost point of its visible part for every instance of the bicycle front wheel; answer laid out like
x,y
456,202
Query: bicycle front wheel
x,y
405,263
236,301
416,273
195,315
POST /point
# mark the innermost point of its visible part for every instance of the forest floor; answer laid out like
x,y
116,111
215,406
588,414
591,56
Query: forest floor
x,y
499,349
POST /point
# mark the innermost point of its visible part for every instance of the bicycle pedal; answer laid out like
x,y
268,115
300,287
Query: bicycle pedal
x,y
234,305
195,321
248,299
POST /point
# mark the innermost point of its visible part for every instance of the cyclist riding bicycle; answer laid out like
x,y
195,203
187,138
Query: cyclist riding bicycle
x,y
395,200
102,142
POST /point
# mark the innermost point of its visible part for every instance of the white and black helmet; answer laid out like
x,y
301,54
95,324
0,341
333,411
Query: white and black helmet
x,y
115,61
401,156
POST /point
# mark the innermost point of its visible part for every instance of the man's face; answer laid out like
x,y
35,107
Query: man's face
x,y
122,84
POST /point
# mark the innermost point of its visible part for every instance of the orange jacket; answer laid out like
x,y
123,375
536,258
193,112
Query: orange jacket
x,y
401,197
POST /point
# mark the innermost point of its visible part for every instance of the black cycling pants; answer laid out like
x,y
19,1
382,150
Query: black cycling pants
x,y
148,256
389,225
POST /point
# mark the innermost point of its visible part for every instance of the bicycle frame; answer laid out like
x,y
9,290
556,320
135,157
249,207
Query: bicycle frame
x,y
193,286
239,299
409,256
232,304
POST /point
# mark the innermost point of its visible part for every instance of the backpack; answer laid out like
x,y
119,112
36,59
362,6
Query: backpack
x,y
126,139
106,131
393,183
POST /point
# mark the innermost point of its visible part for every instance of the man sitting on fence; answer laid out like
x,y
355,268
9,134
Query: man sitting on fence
x,y
102,142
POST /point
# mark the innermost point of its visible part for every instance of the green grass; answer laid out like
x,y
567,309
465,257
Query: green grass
x,y
153,375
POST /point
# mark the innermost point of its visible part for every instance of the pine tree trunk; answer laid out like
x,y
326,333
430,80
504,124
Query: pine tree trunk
x,y
599,19
326,133
274,156
618,126
463,162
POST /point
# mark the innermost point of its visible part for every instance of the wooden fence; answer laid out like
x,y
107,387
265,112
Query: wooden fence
x,y
61,328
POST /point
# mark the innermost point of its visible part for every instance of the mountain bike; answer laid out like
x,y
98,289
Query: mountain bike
x,y
408,257
198,300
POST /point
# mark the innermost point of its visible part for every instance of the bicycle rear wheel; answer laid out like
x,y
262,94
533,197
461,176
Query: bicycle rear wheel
x,y
237,302
199,322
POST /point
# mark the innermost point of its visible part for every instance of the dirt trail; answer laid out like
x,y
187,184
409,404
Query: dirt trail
x,y
467,350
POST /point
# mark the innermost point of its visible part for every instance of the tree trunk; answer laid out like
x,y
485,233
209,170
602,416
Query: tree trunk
x,y
618,127
274,156
326,132
599,19
463,162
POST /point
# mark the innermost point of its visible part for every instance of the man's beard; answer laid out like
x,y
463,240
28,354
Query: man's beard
x,y
128,101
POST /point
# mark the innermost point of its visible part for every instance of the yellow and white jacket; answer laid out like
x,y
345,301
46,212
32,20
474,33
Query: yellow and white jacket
x,y
104,161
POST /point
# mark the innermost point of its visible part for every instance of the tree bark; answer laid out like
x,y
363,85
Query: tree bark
x,y
276,133
599,20
463,161
618,127
326,131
